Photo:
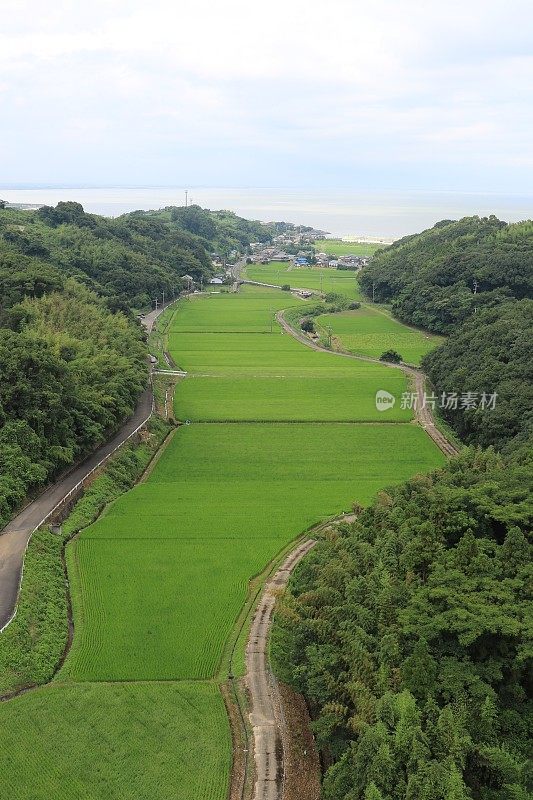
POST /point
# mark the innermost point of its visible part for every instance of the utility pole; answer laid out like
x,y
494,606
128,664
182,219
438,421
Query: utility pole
x,y
163,297
475,284
330,332
156,303
186,198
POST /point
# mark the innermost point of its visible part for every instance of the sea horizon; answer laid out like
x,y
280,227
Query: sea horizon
x,y
347,213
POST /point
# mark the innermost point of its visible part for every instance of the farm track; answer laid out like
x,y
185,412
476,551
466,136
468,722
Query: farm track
x,y
265,715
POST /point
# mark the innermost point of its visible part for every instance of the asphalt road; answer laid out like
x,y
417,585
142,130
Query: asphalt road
x,y
16,535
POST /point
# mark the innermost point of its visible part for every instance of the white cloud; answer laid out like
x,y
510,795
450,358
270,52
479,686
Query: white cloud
x,y
371,83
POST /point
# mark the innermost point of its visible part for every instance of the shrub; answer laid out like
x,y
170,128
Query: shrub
x,y
391,356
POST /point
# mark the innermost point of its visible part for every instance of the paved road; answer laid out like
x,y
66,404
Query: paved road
x,y
262,687
16,535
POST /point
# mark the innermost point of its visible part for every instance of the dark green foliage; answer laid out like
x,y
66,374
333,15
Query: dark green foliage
x,y
286,287
307,325
69,375
223,230
437,278
392,356
490,353
131,259
410,635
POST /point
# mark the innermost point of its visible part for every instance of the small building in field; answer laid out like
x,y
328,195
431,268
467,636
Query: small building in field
x,y
218,281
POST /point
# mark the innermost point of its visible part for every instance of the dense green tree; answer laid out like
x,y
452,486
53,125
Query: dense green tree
x,y
438,278
489,356
409,633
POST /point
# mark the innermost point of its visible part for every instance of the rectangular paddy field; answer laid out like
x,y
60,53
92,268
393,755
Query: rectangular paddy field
x,y
338,247
322,279
371,331
251,310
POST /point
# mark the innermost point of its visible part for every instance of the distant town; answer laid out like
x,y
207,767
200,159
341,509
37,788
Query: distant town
x,y
293,246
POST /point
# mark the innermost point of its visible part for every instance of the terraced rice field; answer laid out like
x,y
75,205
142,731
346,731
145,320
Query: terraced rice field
x,y
158,581
321,279
371,331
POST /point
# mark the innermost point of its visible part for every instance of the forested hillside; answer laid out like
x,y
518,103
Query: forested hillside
x,y
70,373
473,281
409,633
490,353
129,260
436,279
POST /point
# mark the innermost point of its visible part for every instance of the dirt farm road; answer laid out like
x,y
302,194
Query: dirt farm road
x,y
262,688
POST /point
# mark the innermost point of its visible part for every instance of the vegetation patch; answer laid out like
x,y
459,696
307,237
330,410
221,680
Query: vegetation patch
x,y
409,634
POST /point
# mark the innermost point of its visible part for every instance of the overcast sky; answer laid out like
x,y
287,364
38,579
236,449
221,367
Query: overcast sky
x,y
381,93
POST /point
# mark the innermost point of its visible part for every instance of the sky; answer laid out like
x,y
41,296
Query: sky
x,y
382,94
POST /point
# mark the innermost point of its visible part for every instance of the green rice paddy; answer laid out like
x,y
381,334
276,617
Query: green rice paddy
x,y
121,741
322,279
158,582
370,331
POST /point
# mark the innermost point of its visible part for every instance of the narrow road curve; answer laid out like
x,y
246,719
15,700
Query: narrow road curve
x,y
422,411
262,687
16,535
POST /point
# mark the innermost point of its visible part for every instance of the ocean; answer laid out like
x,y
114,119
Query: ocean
x,y
340,212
